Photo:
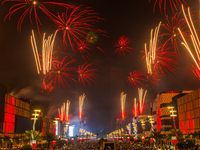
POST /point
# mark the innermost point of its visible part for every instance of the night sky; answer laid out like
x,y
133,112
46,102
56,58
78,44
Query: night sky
x,y
131,18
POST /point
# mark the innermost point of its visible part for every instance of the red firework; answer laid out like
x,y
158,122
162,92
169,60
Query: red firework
x,y
135,111
175,4
83,49
122,45
85,74
123,113
164,61
75,25
172,30
30,7
59,73
141,107
135,78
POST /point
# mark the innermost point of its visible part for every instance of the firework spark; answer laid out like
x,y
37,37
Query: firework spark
x,y
135,78
175,4
142,96
83,49
59,72
135,109
47,51
85,74
194,37
75,25
122,45
30,7
123,100
81,101
151,54
63,113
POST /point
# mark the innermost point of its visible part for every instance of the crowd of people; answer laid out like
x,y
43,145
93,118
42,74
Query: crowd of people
x,y
97,145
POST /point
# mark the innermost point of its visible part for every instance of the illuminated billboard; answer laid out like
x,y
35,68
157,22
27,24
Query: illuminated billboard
x,y
71,131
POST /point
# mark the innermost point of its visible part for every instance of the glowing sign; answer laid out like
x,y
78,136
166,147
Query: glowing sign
x,y
71,131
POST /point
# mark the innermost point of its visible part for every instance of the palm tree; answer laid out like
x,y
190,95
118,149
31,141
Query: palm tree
x,y
49,137
157,136
36,136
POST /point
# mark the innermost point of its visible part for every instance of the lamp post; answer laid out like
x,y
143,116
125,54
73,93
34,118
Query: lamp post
x,y
172,114
35,115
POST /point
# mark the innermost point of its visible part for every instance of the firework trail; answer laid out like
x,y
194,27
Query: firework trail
x,y
47,51
151,54
123,100
135,78
142,96
81,101
135,109
195,40
75,25
175,4
67,110
85,74
30,8
61,72
122,46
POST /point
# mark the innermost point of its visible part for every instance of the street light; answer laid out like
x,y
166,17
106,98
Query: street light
x,y
36,111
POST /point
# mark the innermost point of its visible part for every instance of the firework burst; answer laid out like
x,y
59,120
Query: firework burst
x,y
75,25
61,72
175,4
81,101
135,78
63,113
122,46
172,30
85,75
83,49
30,8
123,100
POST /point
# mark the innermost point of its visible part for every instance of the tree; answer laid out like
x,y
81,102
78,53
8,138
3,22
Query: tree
x,y
49,137
157,136
30,135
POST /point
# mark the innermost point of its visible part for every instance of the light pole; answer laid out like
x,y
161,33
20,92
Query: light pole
x,y
172,114
36,113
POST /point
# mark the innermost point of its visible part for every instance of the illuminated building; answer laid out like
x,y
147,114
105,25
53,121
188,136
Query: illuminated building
x,y
160,112
13,113
188,112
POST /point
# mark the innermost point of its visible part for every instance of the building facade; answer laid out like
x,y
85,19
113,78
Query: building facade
x,y
189,112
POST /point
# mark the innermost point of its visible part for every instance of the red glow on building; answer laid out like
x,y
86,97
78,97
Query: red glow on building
x,y
123,113
158,121
191,124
